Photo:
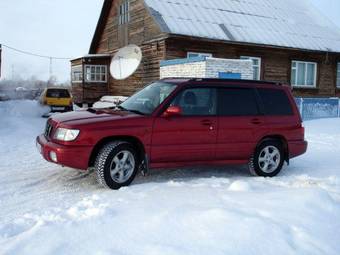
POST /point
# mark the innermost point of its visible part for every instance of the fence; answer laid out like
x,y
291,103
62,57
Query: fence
x,y
316,108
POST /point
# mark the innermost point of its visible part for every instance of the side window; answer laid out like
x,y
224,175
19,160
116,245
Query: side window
x,y
275,102
237,102
197,101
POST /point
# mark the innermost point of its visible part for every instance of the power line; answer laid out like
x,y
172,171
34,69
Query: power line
x,y
33,54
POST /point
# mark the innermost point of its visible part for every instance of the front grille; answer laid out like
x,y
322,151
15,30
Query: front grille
x,y
48,129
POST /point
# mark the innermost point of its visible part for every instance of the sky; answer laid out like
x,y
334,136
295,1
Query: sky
x,y
63,28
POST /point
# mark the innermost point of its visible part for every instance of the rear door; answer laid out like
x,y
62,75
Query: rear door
x,y
240,123
190,137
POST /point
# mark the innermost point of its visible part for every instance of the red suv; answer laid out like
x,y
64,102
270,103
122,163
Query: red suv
x,y
180,122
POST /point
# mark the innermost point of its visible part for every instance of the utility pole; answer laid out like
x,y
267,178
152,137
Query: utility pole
x,y
51,67
12,72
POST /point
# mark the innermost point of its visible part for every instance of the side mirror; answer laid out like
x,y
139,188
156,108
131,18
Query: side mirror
x,y
173,111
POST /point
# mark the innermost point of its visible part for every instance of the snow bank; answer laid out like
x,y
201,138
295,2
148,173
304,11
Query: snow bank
x,y
22,109
46,209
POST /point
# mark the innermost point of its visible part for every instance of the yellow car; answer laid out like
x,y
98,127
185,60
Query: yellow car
x,y
59,99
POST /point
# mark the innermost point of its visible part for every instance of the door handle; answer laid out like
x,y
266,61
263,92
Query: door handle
x,y
206,122
256,121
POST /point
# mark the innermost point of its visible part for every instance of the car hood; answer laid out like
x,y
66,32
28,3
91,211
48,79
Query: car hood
x,y
91,116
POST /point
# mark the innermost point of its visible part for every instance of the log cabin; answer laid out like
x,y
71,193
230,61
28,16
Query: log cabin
x,y
287,41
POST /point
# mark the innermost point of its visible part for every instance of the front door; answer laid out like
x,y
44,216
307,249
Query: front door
x,y
190,137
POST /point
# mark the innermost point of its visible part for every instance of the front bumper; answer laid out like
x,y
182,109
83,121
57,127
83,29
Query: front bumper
x,y
297,148
71,156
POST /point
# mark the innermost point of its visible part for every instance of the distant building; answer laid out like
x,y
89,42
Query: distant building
x,y
287,42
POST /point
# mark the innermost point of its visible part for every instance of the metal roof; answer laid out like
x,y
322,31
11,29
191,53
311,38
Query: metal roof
x,y
283,23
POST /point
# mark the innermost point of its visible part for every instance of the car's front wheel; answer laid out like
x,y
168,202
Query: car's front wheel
x,y
116,165
268,159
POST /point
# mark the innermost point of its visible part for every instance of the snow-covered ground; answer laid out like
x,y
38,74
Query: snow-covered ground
x,y
47,209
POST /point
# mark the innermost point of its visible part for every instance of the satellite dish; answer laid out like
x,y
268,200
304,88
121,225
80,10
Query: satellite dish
x,y
125,62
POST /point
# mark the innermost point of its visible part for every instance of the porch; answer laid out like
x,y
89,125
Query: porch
x,y
90,78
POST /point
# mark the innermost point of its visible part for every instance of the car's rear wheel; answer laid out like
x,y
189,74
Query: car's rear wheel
x,y
116,165
268,159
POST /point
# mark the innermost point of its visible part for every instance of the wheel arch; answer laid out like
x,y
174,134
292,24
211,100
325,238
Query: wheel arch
x,y
279,138
137,144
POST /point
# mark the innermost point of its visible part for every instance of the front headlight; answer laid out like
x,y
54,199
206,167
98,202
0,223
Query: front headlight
x,y
66,135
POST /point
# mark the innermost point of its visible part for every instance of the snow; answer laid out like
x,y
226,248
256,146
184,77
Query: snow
x,y
47,209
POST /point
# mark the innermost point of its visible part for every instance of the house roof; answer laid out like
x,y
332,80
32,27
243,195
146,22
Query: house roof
x,y
288,24
100,25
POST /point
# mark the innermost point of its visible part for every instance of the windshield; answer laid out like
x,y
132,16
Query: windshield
x,y
149,98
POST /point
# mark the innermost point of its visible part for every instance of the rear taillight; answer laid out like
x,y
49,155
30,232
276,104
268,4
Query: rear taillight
x,y
302,130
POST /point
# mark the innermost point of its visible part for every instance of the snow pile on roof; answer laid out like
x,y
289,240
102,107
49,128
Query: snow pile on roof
x,y
288,23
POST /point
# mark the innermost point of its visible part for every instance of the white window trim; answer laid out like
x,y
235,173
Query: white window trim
x,y
124,17
259,65
95,81
200,54
338,75
296,74
81,68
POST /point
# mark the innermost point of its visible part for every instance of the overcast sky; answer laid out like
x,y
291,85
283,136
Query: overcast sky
x,y
63,28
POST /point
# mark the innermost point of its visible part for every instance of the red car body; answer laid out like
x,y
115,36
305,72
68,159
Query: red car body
x,y
175,141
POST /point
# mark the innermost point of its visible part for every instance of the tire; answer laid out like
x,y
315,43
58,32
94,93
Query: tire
x,y
267,160
116,165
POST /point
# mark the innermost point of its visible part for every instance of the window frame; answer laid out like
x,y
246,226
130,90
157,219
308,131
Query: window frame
x,y
95,74
182,90
296,74
200,54
124,13
263,107
259,65
81,74
256,97
337,80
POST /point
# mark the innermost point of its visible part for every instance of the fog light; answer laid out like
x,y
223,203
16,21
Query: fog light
x,y
53,156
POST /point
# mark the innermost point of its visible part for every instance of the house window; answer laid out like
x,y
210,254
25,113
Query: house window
x,y
198,54
338,75
256,66
303,74
95,73
124,12
77,74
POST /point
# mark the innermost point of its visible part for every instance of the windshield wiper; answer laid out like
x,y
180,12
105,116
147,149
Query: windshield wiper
x,y
133,111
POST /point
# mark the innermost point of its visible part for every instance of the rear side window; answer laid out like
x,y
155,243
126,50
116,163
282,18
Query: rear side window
x,y
275,102
57,93
237,102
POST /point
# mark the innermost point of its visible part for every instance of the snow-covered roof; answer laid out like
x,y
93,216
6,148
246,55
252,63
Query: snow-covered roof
x,y
288,23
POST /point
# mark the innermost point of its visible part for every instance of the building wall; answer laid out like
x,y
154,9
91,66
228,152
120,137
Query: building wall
x,y
141,30
275,62
89,92
186,70
208,68
214,66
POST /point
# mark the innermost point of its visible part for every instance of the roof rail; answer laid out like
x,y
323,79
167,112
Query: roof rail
x,y
237,80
